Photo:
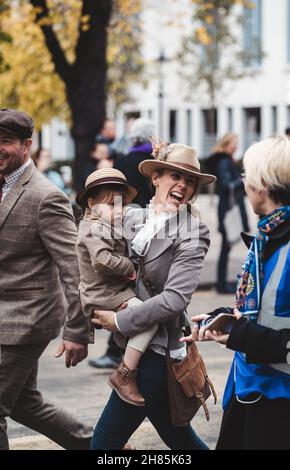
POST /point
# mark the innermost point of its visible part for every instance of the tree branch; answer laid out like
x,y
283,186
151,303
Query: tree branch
x,y
62,67
99,12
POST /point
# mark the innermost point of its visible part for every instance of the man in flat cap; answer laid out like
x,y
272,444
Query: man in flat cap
x,y
37,258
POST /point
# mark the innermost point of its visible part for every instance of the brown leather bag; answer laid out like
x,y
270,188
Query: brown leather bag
x,y
188,383
188,386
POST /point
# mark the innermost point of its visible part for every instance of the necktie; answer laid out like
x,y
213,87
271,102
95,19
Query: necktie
x,y
2,181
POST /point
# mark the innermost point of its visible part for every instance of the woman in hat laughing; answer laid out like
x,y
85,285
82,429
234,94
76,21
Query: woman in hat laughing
x,y
168,242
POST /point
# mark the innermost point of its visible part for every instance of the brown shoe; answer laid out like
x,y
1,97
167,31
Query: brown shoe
x,y
123,381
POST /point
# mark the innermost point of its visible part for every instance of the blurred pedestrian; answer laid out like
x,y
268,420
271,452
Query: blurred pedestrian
x,y
257,397
120,147
229,187
101,154
42,160
37,251
141,149
287,132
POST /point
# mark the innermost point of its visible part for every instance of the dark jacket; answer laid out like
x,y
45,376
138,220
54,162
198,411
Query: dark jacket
x,y
227,172
128,164
261,344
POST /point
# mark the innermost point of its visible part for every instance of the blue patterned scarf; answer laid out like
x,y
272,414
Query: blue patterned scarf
x,y
250,281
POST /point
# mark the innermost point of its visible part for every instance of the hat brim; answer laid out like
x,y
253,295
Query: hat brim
x,y
148,166
81,197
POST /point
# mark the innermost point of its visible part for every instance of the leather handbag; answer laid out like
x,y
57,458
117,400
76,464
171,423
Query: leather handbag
x,y
188,386
187,381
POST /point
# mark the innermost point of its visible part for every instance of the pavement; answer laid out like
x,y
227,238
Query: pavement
x,y
83,391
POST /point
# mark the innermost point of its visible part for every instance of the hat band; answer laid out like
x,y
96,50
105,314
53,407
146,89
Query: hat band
x,y
108,179
185,166
15,132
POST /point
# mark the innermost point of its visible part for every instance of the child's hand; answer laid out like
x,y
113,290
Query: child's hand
x,y
132,276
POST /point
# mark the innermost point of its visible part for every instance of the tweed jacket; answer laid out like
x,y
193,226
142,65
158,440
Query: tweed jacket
x,y
173,265
39,273
103,266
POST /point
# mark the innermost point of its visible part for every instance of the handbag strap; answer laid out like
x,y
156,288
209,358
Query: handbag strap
x,y
148,286
144,277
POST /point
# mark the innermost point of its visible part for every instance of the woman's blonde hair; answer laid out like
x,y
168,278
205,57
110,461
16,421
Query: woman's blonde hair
x,y
267,165
223,142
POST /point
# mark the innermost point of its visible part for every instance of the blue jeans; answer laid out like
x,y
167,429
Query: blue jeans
x,y
120,420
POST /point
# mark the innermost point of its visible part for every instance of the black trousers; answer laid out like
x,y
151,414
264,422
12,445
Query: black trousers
x,y
222,267
264,425
112,348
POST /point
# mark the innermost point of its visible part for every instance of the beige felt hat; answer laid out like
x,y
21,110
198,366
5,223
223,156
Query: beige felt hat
x,y
175,156
105,176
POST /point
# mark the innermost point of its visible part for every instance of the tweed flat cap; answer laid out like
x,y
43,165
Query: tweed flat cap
x,y
16,123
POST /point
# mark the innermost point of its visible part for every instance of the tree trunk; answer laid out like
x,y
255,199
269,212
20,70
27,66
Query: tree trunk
x,y
85,80
87,101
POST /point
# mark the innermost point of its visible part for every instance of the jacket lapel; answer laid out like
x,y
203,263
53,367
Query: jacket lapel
x,y
162,240
14,194
165,237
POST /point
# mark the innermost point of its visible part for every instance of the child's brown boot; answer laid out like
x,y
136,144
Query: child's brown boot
x,y
123,381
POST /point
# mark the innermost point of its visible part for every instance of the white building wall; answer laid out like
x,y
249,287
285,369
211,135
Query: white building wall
x,y
268,88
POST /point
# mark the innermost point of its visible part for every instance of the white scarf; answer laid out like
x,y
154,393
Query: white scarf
x,y
154,223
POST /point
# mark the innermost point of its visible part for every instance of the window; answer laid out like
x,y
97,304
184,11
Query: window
x,y
209,130
253,32
252,126
230,120
173,125
189,127
274,119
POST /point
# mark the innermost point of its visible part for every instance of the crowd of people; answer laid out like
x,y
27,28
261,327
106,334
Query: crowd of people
x,y
126,270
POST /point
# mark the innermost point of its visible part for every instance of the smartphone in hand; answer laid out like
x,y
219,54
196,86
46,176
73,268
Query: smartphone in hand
x,y
223,322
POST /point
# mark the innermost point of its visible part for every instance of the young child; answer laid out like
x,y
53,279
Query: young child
x,y
106,273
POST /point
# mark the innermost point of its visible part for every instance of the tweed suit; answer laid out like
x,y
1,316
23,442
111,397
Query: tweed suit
x,y
39,279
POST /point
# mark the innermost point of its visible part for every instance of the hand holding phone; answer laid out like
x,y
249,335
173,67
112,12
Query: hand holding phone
x,y
223,322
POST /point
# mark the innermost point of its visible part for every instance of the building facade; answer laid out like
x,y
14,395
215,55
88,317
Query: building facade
x,y
254,108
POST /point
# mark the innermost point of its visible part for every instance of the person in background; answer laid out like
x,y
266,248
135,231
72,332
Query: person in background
x,y
42,160
140,150
221,163
101,154
287,132
120,147
108,131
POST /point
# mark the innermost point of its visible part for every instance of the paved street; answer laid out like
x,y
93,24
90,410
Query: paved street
x,y
83,391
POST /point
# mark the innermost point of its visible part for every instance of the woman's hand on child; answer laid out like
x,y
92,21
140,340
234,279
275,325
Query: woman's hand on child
x,y
124,305
106,319
132,276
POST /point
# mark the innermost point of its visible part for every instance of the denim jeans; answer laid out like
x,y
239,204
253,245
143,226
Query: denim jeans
x,y
120,420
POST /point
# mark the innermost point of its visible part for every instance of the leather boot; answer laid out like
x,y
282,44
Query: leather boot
x,y
124,382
